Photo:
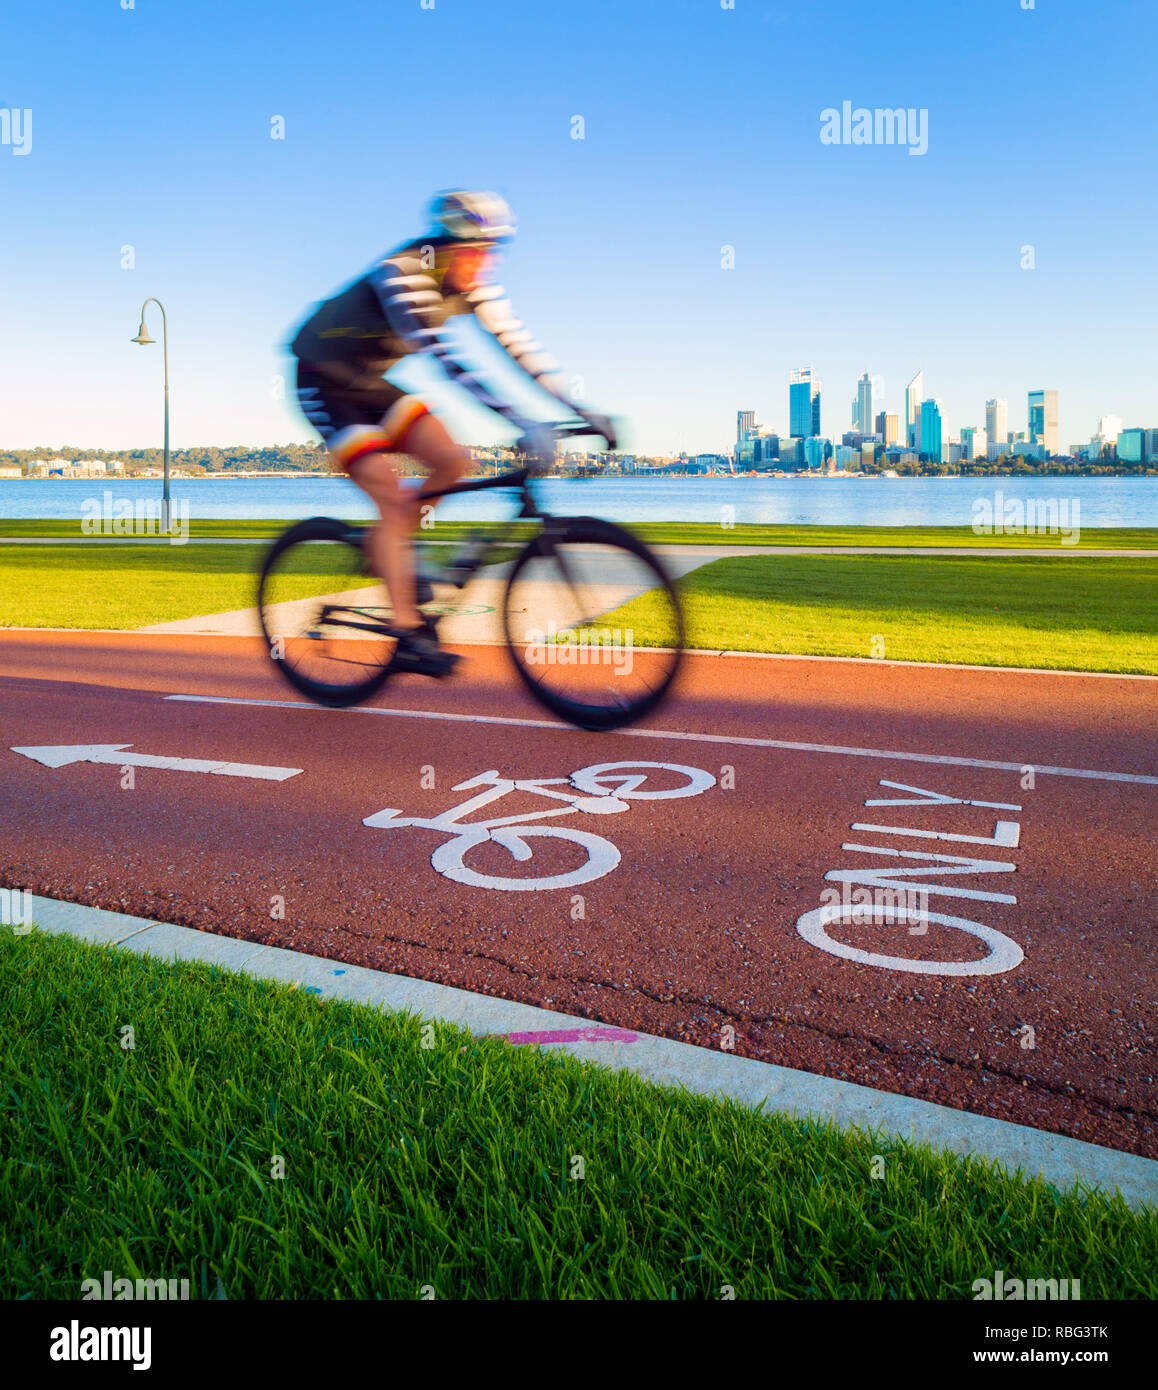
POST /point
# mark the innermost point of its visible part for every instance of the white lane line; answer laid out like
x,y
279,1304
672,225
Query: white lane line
x,y
939,759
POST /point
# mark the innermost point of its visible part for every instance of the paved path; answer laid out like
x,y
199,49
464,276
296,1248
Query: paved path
x,y
1021,987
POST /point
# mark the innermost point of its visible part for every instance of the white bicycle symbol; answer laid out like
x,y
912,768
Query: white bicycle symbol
x,y
600,790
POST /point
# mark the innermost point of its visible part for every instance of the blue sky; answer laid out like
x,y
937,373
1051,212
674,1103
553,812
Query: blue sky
x,y
150,129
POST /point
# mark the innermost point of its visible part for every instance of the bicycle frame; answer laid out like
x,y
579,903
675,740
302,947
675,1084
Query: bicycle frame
x,y
518,478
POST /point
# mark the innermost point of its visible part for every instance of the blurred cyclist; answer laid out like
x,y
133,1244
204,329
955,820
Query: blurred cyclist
x,y
400,307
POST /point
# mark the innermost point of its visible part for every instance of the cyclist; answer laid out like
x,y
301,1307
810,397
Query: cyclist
x,y
399,307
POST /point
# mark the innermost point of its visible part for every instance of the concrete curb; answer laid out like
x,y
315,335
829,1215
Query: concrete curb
x,y
1059,1160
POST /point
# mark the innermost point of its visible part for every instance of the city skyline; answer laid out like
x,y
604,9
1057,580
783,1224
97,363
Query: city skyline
x,y
869,415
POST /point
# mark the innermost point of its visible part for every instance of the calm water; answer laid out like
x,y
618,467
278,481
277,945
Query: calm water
x,y
827,501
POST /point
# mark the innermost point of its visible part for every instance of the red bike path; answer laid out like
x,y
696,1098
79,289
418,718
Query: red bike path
x,y
697,928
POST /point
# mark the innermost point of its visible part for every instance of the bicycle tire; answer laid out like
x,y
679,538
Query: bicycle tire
x,y
587,714
333,695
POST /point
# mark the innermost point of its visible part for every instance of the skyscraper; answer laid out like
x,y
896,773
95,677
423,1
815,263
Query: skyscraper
x,y
803,403
745,421
887,427
974,443
1043,420
862,409
931,430
913,393
997,420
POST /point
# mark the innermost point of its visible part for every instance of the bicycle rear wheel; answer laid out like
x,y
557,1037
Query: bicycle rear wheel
x,y
593,623
322,612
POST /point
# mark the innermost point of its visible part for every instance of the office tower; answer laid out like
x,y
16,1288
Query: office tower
x,y
803,403
974,443
931,429
1109,428
816,450
913,393
887,428
1043,420
745,421
1132,446
862,411
997,420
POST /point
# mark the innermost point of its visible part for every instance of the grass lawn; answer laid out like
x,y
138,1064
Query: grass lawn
x,y
92,585
95,586
1095,615
685,533
1048,611
451,1165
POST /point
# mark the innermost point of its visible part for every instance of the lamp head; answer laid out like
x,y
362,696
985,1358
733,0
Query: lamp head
x,y
143,335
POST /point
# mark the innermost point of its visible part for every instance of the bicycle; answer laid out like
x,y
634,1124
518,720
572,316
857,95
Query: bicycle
x,y
325,615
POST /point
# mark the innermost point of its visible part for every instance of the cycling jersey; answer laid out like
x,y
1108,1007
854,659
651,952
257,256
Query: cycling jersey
x,y
400,307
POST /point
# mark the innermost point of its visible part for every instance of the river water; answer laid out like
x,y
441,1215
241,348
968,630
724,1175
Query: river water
x,y
814,501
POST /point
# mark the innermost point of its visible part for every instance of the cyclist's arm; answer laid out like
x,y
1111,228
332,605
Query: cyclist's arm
x,y
492,308
411,301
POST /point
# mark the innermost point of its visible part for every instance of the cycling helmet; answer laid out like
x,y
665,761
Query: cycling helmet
x,y
472,216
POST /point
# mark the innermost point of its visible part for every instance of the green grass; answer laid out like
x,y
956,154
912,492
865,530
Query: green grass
x,y
95,586
450,1165
681,533
1096,615
1048,611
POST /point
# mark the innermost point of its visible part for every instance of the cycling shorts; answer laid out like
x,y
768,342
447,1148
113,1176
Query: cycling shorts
x,y
356,420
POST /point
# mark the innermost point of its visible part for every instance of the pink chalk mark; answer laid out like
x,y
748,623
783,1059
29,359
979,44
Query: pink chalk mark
x,y
570,1035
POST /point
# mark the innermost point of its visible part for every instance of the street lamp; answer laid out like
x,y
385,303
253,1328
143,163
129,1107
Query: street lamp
x,y
143,339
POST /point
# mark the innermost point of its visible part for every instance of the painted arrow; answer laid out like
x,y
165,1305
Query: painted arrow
x,y
61,755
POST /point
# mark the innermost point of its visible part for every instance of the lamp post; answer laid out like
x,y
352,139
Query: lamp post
x,y
143,339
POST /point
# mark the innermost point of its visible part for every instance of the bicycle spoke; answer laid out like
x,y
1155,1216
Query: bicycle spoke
x,y
324,616
594,626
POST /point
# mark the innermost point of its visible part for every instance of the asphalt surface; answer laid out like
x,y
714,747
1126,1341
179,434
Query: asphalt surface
x,y
701,923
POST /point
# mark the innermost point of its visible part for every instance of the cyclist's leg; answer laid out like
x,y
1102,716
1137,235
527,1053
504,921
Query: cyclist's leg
x,y
366,452
391,542
388,543
363,430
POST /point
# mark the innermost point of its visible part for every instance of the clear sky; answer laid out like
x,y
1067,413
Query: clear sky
x,y
151,129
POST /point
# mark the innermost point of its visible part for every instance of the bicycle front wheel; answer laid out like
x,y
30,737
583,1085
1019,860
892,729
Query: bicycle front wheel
x,y
323,612
593,623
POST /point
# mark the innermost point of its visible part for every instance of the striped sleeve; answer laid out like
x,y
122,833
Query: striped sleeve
x,y
412,305
492,308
